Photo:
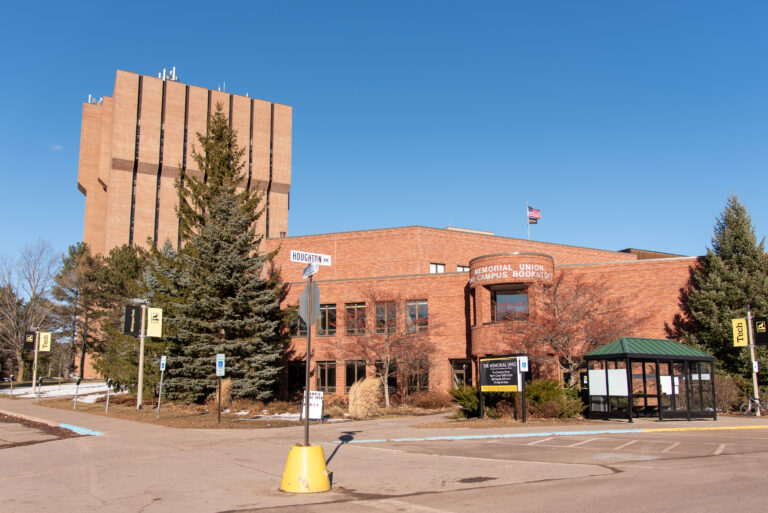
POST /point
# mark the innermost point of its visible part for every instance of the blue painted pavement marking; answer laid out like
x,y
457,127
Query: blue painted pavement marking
x,y
484,437
80,430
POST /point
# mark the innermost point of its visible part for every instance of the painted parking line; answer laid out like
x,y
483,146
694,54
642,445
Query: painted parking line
x,y
583,442
543,434
671,446
720,449
625,445
542,440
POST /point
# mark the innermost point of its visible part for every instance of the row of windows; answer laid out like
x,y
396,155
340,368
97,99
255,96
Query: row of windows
x,y
416,311
355,370
435,268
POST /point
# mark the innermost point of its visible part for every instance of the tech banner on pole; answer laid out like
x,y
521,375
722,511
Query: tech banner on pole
x,y
499,374
760,335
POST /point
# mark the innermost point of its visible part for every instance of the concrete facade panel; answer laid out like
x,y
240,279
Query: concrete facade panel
x,y
281,144
149,122
126,99
197,120
173,126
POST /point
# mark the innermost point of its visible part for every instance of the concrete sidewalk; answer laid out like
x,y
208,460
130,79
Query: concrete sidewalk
x,y
142,467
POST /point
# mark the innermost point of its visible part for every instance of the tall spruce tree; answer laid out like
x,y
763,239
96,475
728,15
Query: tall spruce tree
x,y
732,273
220,300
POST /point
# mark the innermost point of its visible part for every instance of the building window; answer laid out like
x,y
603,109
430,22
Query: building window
x,y
298,327
418,381
326,321
392,376
436,268
355,319
462,268
296,374
326,377
386,317
461,371
509,304
354,371
418,315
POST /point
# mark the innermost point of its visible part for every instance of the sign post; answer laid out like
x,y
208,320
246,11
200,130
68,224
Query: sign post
x,y
109,389
219,374
160,392
742,337
305,470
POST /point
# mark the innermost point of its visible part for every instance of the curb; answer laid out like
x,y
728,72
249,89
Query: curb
x,y
77,429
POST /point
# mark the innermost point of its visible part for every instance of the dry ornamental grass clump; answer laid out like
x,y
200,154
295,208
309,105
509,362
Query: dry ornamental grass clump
x,y
365,398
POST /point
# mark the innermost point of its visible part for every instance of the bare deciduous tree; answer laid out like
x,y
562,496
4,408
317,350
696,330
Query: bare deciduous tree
x,y
25,304
573,316
395,336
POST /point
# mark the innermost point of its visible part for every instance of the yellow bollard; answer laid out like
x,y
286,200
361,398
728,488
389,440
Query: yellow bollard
x,y
305,470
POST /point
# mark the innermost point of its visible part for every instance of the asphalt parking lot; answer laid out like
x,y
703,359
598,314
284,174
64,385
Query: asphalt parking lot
x,y
389,464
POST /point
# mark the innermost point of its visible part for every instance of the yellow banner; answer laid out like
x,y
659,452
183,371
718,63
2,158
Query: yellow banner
x,y
739,332
45,341
154,322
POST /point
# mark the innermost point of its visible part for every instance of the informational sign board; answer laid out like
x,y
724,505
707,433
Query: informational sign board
x,y
155,322
220,365
739,332
45,341
315,406
305,257
29,341
499,374
308,312
162,363
759,325
132,321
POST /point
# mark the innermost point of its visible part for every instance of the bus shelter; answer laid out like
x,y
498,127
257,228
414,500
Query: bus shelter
x,y
642,377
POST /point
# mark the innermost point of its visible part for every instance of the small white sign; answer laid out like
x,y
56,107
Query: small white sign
x,y
309,270
755,366
522,362
304,257
162,363
220,365
315,406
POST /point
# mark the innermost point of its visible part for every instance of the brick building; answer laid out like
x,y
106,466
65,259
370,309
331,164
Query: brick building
x,y
458,283
133,145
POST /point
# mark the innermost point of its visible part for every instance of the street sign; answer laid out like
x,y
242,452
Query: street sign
x,y
760,335
739,332
155,322
309,270
220,365
523,363
45,341
132,321
309,312
305,257
29,341
499,374
162,363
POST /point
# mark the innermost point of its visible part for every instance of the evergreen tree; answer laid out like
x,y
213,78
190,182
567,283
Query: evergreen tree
x,y
734,272
116,355
75,291
219,297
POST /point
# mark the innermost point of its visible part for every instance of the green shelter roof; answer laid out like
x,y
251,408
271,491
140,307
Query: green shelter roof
x,y
647,348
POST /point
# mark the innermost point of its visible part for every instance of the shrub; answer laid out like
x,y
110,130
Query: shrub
x,y
467,399
364,398
548,399
430,400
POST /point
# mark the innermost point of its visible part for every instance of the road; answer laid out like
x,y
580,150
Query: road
x,y
387,465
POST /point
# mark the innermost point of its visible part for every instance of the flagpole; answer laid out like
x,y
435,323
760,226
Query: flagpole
x,y
527,221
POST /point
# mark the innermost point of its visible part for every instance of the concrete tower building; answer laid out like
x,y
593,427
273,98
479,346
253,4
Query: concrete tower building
x,y
133,145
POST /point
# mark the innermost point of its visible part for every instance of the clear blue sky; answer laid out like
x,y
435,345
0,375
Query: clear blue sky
x,y
628,124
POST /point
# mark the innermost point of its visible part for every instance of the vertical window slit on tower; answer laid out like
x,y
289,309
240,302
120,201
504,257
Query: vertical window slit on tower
x,y
250,151
271,149
231,105
135,164
159,165
183,158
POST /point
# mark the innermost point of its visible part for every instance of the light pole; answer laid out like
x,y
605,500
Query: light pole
x,y
140,385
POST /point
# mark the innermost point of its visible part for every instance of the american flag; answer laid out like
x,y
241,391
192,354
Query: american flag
x,y
534,213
